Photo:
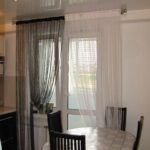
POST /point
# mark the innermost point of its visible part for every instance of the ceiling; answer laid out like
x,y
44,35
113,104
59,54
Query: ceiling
x,y
27,9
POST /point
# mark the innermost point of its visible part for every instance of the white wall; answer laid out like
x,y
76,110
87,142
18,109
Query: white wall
x,y
10,70
136,76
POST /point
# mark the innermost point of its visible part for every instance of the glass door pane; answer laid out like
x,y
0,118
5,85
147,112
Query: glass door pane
x,y
82,71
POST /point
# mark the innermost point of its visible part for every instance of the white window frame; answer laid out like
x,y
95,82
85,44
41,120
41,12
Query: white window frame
x,y
65,79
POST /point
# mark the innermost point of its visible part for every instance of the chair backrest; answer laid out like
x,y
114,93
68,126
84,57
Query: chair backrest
x,y
139,132
54,121
62,141
110,119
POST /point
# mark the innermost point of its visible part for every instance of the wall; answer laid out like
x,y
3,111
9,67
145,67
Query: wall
x,y
136,76
10,70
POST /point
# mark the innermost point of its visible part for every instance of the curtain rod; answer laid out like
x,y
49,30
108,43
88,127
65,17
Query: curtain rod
x,y
40,20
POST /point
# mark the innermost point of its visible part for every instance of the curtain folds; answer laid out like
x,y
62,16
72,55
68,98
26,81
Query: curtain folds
x,y
94,65
38,60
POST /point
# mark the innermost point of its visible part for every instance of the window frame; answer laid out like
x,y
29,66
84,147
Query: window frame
x,y
57,57
65,77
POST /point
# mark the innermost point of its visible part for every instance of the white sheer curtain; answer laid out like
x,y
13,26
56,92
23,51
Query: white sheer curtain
x,y
94,64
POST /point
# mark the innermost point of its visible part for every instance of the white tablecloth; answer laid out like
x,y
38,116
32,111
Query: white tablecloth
x,y
103,139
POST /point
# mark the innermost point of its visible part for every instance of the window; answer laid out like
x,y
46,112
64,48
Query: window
x,y
49,45
82,67
82,76
71,2
75,121
50,4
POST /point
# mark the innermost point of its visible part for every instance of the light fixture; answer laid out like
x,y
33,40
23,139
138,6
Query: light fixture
x,y
123,9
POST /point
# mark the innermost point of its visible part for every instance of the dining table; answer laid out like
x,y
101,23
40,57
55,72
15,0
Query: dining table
x,y
103,138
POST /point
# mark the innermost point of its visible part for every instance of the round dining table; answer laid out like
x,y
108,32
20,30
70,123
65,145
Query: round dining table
x,y
103,138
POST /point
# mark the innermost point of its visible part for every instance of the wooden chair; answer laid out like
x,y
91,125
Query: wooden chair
x,y
139,132
62,141
54,121
122,114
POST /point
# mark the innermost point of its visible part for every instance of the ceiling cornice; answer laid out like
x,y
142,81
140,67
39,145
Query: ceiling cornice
x,y
136,15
